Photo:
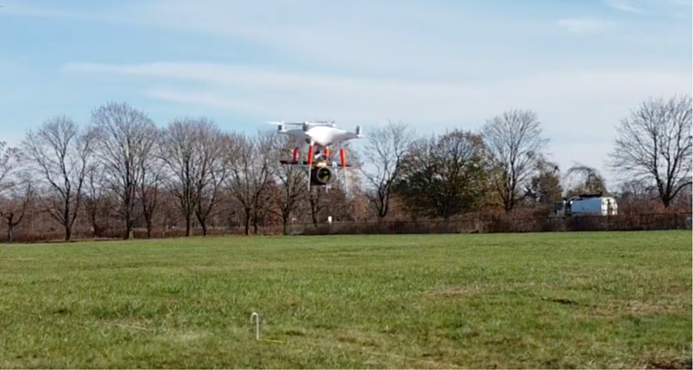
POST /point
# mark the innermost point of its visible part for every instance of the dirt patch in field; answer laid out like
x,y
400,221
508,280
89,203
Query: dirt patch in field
x,y
295,332
476,289
670,364
183,336
646,308
359,338
636,307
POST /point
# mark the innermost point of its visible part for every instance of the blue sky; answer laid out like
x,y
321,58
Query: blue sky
x,y
436,64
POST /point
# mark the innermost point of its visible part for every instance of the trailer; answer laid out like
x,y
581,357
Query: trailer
x,y
587,205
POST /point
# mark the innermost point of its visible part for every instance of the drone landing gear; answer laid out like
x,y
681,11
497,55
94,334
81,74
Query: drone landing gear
x,y
319,166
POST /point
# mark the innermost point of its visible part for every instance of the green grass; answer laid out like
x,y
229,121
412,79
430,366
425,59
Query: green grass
x,y
553,300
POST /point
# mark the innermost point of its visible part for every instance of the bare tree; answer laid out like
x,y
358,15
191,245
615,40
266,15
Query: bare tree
x,y
217,151
61,157
291,182
324,202
250,175
637,197
654,145
9,161
16,205
126,143
638,188
317,202
198,155
151,176
97,201
384,151
178,152
514,140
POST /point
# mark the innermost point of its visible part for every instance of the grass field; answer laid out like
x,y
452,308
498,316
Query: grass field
x,y
553,300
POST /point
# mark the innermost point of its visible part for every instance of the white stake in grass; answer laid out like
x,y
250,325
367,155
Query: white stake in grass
x,y
257,324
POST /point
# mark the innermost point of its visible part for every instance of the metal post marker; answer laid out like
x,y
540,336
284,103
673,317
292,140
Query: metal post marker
x,y
257,324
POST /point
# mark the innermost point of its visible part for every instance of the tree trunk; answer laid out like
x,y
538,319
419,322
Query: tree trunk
x,y
188,224
314,212
128,229
94,226
666,201
10,232
285,229
285,224
203,224
247,222
384,207
148,219
128,220
66,218
68,233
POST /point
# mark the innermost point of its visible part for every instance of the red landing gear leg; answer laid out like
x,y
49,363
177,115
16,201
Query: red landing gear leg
x,y
310,163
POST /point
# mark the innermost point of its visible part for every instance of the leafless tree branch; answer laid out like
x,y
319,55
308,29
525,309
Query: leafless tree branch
x,y
9,161
250,175
125,145
654,145
291,180
17,204
515,142
384,151
60,157
199,157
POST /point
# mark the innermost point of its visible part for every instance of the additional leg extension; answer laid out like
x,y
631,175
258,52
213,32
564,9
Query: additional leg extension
x,y
342,160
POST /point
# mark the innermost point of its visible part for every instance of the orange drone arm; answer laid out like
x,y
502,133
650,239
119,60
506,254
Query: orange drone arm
x,y
327,152
296,154
310,155
341,157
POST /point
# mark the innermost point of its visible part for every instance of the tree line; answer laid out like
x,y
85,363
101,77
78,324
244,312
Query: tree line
x,y
122,172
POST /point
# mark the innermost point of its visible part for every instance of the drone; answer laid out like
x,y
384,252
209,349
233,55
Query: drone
x,y
320,137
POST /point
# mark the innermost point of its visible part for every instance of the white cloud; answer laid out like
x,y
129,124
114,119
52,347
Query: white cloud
x,y
395,37
578,107
625,6
434,65
260,90
584,26
672,8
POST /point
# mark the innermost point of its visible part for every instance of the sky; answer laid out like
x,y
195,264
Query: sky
x,y
581,65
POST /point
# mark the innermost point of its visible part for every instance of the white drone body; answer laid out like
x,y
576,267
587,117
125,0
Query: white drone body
x,y
323,134
319,135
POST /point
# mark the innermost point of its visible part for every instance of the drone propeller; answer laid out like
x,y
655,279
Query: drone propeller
x,y
305,124
285,123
